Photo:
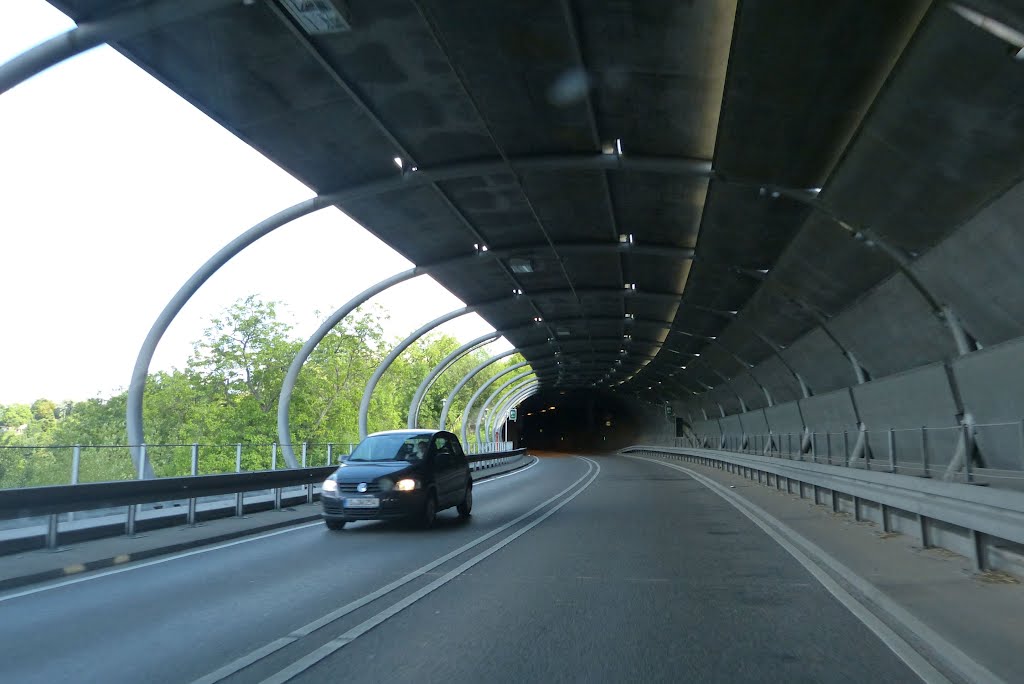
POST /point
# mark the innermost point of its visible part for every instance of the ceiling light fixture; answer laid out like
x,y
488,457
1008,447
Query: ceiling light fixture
x,y
319,17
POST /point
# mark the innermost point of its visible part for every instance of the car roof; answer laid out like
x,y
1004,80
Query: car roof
x,y
420,431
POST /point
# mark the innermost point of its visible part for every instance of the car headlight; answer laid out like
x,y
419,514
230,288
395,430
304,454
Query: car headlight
x,y
406,485
329,486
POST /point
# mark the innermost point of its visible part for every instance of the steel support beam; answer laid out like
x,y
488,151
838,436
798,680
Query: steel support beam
x,y
483,408
284,432
446,362
515,400
94,33
465,380
467,412
495,416
364,404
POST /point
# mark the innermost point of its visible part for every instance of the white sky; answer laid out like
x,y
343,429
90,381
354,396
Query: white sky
x,y
113,191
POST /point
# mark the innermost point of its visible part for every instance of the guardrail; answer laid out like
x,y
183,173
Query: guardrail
x,y
54,500
922,452
977,521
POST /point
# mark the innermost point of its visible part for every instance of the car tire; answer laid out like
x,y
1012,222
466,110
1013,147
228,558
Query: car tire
x,y
429,512
335,524
466,507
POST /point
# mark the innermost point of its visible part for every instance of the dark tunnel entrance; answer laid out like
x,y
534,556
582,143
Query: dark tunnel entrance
x,y
578,421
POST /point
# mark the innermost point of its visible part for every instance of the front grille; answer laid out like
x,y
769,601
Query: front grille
x,y
350,487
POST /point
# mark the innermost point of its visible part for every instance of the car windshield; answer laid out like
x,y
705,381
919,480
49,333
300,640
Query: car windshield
x,y
392,448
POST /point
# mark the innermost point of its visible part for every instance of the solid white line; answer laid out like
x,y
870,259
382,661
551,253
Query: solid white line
x,y
158,561
517,471
782,534
262,652
351,635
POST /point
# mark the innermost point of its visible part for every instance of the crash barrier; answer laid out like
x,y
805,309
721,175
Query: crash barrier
x,y
179,498
983,523
953,454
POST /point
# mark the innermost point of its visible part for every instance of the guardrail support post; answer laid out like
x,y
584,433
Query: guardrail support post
x,y
978,545
273,466
835,501
194,471
51,532
1020,429
922,521
886,524
856,508
240,496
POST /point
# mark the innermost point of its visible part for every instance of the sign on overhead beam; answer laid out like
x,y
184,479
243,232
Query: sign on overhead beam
x,y
317,17
513,414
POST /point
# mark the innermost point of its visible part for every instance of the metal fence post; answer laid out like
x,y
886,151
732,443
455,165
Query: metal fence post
x,y
309,487
273,466
133,509
76,466
814,448
892,452
924,452
828,447
194,471
846,447
968,453
240,496
330,455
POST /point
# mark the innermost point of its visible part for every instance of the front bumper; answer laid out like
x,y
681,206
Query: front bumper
x,y
393,505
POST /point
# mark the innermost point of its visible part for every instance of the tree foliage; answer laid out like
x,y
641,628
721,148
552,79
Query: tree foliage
x,y
227,394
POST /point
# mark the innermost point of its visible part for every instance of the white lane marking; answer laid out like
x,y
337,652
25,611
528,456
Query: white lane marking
x,y
518,471
262,652
351,635
158,561
206,549
783,534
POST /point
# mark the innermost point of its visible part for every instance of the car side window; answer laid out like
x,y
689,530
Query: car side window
x,y
460,455
444,452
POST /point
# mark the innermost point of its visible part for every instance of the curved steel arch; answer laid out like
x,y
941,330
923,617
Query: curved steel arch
x,y
364,404
515,400
490,398
445,363
95,33
501,400
466,412
465,380
531,386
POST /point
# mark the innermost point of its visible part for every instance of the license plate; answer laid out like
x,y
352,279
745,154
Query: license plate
x,y
363,502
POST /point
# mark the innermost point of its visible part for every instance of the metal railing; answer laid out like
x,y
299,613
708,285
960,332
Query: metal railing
x,y
929,452
490,448
53,501
35,466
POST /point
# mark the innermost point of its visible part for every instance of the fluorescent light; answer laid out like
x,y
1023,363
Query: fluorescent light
x,y
520,265
996,28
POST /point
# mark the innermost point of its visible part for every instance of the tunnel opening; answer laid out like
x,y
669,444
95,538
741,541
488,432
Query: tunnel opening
x,y
578,421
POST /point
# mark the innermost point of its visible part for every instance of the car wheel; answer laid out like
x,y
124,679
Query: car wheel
x,y
335,524
466,507
429,513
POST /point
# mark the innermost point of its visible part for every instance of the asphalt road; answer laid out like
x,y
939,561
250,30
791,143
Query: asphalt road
x,y
600,570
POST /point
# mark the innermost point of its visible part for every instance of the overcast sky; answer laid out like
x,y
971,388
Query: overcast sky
x,y
113,191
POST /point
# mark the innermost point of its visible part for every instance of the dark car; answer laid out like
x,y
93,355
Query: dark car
x,y
410,474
